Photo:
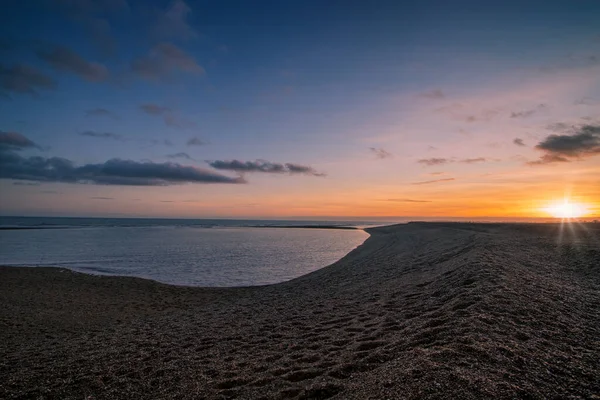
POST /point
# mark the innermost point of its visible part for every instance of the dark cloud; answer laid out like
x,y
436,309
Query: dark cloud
x,y
15,141
173,22
100,112
527,113
407,201
433,161
102,198
519,142
64,59
433,181
473,160
195,142
433,94
264,166
163,61
111,172
180,155
380,153
22,78
102,135
583,142
168,116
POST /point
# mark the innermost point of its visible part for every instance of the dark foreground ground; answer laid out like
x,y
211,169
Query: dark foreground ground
x,y
420,311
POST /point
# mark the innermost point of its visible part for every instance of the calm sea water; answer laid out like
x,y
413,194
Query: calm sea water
x,y
183,252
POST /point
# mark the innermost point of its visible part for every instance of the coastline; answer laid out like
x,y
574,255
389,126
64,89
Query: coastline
x,y
422,310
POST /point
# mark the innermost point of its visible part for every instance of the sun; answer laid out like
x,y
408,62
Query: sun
x,y
566,209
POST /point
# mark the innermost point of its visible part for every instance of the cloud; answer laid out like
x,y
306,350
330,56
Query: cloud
x,y
519,142
100,112
527,113
102,198
15,141
173,22
180,155
168,116
112,172
433,181
64,59
473,160
19,183
380,153
582,143
548,159
407,201
442,161
102,135
195,142
433,161
264,166
163,61
22,78
433,94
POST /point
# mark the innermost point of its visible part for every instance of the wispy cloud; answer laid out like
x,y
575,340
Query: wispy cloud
x,y
264,166
168,115
100,112
433,161
102,135
20,183
102,198
519,142
442,161
380,153
173,22
63,59
473,160
23,79
527,113
436,94
433,181
180,155
164,60
195,142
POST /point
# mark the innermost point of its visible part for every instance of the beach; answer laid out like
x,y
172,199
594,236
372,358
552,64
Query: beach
x,y
419,311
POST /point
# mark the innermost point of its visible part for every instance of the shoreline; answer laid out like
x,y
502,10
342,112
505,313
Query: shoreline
x,y
423,310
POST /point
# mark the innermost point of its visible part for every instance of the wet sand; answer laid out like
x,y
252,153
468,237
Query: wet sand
x,y
419,311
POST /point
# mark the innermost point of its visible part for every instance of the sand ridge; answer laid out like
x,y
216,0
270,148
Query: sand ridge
x,y
422,310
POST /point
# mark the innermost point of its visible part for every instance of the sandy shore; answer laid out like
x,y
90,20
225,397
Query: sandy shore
x,y
419,311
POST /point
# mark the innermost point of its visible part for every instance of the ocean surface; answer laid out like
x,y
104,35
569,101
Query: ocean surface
x,y
201,252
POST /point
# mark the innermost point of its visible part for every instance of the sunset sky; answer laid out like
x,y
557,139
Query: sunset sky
x,y
273,109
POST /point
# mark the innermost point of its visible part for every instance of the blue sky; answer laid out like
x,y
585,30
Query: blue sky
x,y
355,93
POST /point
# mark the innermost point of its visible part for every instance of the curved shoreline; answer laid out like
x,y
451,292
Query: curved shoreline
x,y
416,311
284,260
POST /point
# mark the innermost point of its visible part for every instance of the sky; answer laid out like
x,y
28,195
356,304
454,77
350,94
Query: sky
x,y
308,109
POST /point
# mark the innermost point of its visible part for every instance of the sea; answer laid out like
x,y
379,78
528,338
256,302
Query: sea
x,y
189,252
